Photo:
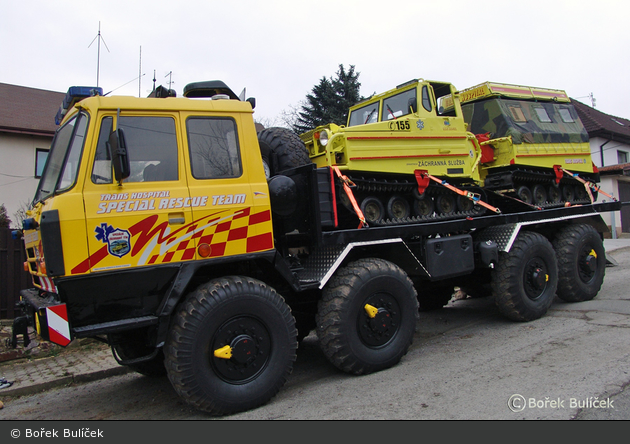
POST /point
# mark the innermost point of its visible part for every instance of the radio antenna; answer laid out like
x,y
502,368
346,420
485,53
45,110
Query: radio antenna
x,y
98,59
170,79
590,96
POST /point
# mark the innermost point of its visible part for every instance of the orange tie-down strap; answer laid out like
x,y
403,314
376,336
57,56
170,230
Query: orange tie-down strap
x,y
472,196
346,187
588,185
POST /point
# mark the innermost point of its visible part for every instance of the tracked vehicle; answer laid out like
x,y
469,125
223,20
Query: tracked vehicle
x,y
509,146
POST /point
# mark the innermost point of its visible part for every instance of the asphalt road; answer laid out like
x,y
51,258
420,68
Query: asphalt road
x,y
466,363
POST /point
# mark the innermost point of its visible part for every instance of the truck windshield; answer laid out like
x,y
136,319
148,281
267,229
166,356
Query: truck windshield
x,y
61,168
365,114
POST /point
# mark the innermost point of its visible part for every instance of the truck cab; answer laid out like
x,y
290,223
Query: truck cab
x,y
133,189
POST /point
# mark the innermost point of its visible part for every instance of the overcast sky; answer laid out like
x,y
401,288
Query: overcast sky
x,y
279,49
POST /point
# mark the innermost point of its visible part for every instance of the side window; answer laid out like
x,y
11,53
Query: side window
x,y
41,155
426,99
542,114
565,115
517,113
151,145
213,147
398,105
364,115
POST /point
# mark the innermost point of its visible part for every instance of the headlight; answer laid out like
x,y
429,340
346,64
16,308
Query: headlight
x,y
324,136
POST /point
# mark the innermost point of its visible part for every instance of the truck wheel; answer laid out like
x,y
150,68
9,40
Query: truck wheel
x,y
281,149
581,263
231,346
525,280
367,316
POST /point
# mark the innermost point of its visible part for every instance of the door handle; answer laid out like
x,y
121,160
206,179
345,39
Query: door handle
x,y
176,219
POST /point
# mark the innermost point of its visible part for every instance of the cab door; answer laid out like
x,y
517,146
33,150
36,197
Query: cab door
x,y
228,190
144,220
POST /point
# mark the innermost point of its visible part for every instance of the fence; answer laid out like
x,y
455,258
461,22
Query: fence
x,y
13,278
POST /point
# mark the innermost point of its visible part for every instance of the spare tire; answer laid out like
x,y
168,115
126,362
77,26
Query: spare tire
x,y
281,149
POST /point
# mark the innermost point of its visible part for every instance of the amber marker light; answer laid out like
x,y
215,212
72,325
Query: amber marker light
x,y
204,250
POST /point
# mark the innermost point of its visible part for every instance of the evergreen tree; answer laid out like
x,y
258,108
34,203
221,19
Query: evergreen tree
x,y
5,222
329,101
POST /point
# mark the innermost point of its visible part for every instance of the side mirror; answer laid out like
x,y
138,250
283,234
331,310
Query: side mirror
x,y
117,147
252,102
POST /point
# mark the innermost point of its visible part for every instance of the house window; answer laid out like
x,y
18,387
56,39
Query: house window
x,y
622,157
41,156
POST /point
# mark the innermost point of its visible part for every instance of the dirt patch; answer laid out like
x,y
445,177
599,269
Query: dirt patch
x,y
36,348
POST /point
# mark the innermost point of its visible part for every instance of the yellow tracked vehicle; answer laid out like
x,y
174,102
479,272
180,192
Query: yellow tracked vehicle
x,y
505,144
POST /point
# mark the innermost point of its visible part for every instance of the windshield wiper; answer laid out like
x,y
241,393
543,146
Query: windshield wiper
x,y
391,112
368,116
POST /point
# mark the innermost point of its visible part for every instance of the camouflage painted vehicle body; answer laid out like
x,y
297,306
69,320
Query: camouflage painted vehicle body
x,y
536,134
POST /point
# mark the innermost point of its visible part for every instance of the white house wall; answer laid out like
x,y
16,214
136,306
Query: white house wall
x,y
17,170
607,148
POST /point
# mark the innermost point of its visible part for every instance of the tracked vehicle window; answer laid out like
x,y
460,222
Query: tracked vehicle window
x,y
426,99
398,105
213,147
517,114
542,114
565,115
151,146
363,115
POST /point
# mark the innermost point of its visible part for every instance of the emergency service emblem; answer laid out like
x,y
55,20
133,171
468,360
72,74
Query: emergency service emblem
x,y
118,241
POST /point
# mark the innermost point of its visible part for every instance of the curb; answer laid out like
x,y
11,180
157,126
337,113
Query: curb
x,y
64,381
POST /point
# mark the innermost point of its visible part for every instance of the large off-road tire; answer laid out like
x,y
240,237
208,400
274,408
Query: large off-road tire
x,y
367,316
281,149
525,280
581,263
241,316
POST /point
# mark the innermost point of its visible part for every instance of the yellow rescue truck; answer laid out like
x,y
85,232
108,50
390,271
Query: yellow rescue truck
x,y
194,246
